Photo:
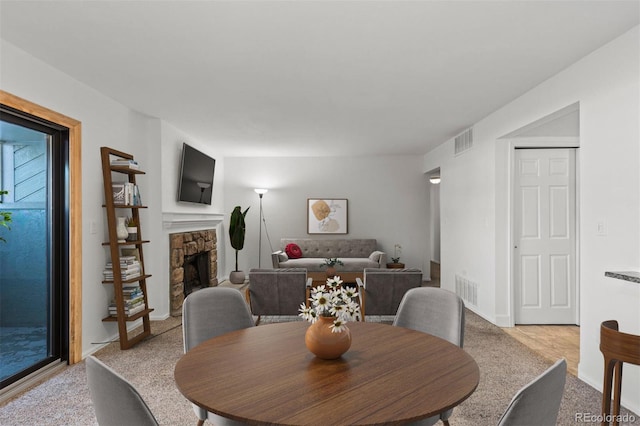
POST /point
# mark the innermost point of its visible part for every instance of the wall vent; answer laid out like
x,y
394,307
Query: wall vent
x,y
467,290
464,141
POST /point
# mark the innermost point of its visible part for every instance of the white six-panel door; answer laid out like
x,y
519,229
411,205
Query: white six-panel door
x,y
545,236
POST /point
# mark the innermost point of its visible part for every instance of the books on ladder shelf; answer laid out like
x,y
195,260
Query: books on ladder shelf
x,y
123,162
133,299
125,193
129,268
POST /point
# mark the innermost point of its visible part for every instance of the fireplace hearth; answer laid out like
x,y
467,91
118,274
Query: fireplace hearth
x,y
194,263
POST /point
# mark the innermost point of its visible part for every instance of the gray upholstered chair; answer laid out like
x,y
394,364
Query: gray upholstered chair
x,y
434,311
381,290
115,400
277,291
208,313
538,402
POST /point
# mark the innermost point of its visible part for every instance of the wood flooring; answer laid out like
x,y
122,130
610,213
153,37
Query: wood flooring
x,y
551,341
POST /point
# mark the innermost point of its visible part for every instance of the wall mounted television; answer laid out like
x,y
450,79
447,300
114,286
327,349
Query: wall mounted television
x,y
196,176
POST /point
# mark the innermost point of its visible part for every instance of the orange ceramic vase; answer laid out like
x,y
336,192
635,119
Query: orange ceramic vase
x,y
325,344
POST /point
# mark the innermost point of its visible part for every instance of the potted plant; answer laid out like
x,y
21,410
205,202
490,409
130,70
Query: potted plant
x,y
132,229
5,217
331,263
397,250
236,236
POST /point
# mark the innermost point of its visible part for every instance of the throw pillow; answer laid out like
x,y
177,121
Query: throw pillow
x,y
293,251
282,256
375,256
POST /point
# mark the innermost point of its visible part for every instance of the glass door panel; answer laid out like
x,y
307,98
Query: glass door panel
x,y
29,309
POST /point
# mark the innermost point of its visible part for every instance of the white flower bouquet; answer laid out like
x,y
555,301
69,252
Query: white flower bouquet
x,y
332,300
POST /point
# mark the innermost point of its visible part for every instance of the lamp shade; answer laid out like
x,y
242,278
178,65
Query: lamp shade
x,y
261,191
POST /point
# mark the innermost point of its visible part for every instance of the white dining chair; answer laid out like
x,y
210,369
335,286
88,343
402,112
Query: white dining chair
x,y
434,311
115,401
538,403
207,313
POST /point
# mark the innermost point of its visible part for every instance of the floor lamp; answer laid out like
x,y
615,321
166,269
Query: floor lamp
x,y
260,192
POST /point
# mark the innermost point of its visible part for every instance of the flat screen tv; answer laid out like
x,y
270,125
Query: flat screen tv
x,y
196,176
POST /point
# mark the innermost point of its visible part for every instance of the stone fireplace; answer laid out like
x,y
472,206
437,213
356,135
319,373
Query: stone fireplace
x,y
194,259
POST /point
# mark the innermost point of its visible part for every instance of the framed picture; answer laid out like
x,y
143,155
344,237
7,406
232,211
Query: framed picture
x,y
327,216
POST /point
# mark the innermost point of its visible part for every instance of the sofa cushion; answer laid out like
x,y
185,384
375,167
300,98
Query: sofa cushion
x,y
315,264
293,251
340,248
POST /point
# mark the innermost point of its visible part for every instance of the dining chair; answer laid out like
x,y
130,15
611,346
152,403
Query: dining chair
x,y
381,290
207,313
437,312
538,402
616,348
115,401
277,291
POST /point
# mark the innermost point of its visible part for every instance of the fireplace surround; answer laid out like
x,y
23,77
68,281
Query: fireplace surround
x,y
187,245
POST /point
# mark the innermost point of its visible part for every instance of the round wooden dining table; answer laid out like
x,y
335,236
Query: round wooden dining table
x,y
266,375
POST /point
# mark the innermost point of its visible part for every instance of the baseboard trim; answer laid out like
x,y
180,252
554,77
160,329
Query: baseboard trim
x,y
31,380
597,383
503,321
477,312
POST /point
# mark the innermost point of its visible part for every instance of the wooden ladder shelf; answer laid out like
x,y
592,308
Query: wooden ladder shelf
x,y
115,246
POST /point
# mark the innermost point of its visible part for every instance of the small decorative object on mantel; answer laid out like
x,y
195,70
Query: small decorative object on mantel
x,y
328,336
331,263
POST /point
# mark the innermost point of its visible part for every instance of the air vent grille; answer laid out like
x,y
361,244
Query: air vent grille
x,y
464,141
467,290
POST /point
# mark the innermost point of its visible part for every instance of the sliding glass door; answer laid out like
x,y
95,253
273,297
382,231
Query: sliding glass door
x,y
34,246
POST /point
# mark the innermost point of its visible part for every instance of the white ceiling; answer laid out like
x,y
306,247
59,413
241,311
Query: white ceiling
x,y
298,78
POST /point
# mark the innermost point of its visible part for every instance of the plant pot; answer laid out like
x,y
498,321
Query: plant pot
x,y
331,271
325,344
236,277
133,233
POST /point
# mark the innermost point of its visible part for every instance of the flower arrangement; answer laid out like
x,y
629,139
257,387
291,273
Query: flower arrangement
x,y
332,300
331,262
397,250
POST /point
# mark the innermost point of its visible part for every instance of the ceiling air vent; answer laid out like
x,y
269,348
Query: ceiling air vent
x,y
463,141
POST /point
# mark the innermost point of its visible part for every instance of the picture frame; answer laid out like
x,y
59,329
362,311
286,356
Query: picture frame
x,y
327,216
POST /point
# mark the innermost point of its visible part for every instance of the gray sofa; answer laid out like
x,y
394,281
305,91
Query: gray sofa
x,y
356,254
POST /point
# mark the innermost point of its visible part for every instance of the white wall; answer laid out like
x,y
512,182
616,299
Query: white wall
x,y
474,198
155,144
104,123
387,200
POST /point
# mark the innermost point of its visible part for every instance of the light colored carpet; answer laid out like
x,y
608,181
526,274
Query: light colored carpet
x,y
505,366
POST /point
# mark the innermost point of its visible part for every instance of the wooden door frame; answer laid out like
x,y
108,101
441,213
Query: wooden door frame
x,y
75,213
550,143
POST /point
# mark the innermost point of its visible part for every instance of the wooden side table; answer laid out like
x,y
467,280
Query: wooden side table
x,y
395,265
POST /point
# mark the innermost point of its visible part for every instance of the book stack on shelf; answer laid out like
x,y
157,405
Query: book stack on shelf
x,y
133,301
123,162
126,194
129,268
